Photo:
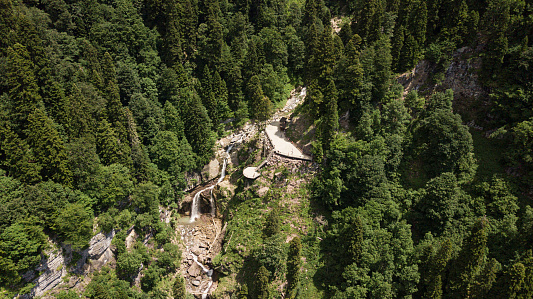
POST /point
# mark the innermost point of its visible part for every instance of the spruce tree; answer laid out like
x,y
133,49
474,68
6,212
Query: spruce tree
x,y
48,148
331,115
57,104
199,126
369,18
273,223
408,53
208,95
351,80
243,292
434,269
485,280
221,94
382,62
263,109
259,103
90,56
262,283
22,86
314,99
16,156
8,22
79,121
419,24
355,240
173,120
511,282
527,288
293,267
396,50
469,261
171,47
107,144
178,289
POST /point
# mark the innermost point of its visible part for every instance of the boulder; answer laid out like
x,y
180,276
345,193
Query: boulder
x,y
211,170
263,191
194,270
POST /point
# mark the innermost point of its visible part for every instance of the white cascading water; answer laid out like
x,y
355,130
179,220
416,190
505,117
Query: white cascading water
x,y
195,214
195,207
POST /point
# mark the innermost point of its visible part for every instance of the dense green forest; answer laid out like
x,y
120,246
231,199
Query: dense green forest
x,y
105,105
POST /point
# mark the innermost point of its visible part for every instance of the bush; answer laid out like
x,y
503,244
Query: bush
x,y
272,255
106,222
128,264
151,277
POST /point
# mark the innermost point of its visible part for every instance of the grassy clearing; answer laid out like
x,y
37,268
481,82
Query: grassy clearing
x,y
246,218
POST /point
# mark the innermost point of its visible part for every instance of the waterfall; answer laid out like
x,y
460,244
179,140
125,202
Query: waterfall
x,y
195,207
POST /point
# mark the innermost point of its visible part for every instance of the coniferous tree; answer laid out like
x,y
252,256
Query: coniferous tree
x,y
293,267
259,103
178,290
57,103
16,156
381,67
199,127
48,148
511,282
211,38
311,41
331,115
355,240
351,81
21,84
262,283
485,280
173,120
434,269
114,110
419,25
369,18
8,22
221,95
209,99
527,286
243,292
78,118
273,223
408,53
172,37
469,261
107,144
396,49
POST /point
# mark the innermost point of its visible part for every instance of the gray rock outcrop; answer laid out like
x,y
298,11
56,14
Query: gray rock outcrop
x,y
99,244
53,269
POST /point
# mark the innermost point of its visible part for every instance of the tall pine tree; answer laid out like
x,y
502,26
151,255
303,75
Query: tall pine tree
x,y
22,86
48,148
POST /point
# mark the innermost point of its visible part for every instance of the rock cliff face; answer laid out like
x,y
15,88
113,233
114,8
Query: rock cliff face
x,y
53,269
54,263
99,251
462,76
